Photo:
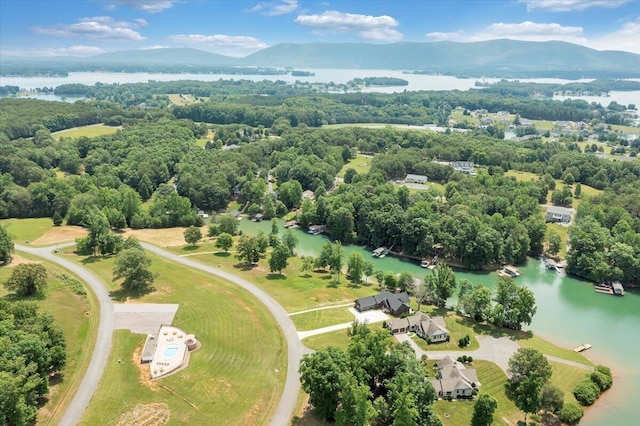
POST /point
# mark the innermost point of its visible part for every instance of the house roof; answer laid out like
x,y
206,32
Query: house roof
x,y
559,210
392,300
367,302
415,177
458,371
447,360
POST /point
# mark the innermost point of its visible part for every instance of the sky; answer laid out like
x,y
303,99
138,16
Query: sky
x,y
238,28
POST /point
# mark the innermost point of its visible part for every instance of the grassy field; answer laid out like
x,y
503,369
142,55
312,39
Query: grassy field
x,y
293,290
337,338
23,230
361,164
225,383
522,176
624,129
88,131
543,125
492,379
459,117
78,316
321,318
458,328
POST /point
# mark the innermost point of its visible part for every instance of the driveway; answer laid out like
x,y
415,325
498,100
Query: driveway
x,y
295,348
102,347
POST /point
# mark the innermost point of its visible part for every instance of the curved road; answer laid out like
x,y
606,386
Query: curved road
x,y
295,348
104,336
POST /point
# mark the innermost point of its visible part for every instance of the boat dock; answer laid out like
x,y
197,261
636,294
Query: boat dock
x,y
583,347
509,271
614,288
380,252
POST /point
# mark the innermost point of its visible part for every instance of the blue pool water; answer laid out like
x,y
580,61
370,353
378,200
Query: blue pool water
x,y
170,351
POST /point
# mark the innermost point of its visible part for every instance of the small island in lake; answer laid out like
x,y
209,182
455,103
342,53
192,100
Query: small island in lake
x,y
378,81
295,73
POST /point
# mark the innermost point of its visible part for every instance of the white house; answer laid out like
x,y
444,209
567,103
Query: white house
x,y
415,179
559,214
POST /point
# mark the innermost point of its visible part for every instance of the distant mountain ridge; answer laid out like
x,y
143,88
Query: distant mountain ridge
x,y
498,58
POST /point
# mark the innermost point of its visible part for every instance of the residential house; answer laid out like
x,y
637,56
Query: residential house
x,y
465,167
415,179
430,329
454,380
393,303
559,214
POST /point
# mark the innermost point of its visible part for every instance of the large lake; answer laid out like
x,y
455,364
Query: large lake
x,y
569,313
416,81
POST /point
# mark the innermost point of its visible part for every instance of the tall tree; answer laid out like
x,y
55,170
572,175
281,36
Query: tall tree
x,y
530,371
6,245
27,279
441,283
224,241
278,259
290,241
355,267
248,249
483,410
192,235
133,265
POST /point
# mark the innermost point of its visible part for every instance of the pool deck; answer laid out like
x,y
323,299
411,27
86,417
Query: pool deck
x,y
171,351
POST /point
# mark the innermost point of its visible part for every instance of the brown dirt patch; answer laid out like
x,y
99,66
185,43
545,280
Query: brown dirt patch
x,y
146,415
143,369
60,234
169,237
16,260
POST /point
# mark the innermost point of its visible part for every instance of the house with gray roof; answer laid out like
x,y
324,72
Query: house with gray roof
x,y
393,303
559,214
432,329
422,179
454,380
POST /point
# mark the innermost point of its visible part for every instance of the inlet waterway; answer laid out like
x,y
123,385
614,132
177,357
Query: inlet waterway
x,y
569,313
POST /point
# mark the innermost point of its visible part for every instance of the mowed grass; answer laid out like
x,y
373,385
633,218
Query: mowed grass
x,y
88,131
543,124
360,164
78,316
458,328
23,230
336,338
293,290
321,318
549,348
522,176
565,378
492,380
225,382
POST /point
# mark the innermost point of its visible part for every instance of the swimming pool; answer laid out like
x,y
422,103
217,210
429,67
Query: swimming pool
x,y
170,351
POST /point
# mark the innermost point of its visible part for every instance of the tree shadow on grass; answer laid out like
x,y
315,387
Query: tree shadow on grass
x,y
222,254
243,266
14,297
92,259
305,276
190,248
308,418
122,294
493,331
279,277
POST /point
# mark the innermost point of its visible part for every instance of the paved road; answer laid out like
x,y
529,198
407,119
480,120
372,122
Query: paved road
x,y
102,347
295,349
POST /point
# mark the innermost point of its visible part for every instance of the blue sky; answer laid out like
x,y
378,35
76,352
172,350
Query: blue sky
x,y
237,27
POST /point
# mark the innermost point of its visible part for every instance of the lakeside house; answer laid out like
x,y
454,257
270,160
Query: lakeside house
x,y
421,179
431,329
466,167
559,214
395,304
454,380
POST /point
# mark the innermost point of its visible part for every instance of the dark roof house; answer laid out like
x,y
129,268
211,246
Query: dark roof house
x,y
393,303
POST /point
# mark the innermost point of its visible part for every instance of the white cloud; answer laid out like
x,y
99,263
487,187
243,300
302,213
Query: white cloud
x,y
236,46
450,36
377,28
531,31
570,5
102,28
274,8
57,51
626,38
151,6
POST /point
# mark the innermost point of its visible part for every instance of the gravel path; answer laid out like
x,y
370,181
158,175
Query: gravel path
x,y
104,337
295,349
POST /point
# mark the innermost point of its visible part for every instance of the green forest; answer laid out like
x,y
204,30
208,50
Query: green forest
x,y
152,173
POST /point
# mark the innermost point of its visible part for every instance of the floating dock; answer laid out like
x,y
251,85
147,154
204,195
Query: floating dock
x,y
583,347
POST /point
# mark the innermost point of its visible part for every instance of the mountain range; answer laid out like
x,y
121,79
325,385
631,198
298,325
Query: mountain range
x,y
499,58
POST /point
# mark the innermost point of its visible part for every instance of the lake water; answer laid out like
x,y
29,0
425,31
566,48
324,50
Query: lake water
x,y
569,313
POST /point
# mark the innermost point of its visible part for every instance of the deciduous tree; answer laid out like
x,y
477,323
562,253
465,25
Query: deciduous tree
x,y
278,259
27,279
192,235
6,245
529,371
224,242
133,265
483,410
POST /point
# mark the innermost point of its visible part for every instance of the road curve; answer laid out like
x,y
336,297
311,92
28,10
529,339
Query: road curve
x,y
104,337
295,348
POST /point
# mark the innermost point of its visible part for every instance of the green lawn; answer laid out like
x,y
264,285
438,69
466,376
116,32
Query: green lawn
x,y
337,338
565,377
458,328
225,382
543,124
78,317
321,318
293,290
459,117
23,230
549,348
492,380
563,231
88,131
625,129
522,176
360,164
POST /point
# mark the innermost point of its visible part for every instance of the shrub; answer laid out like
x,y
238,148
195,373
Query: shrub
x,y
571,413
603,369
603,381
469,359
586,392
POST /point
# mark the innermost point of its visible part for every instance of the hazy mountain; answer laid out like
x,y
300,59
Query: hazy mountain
x,y
479,58
166,56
